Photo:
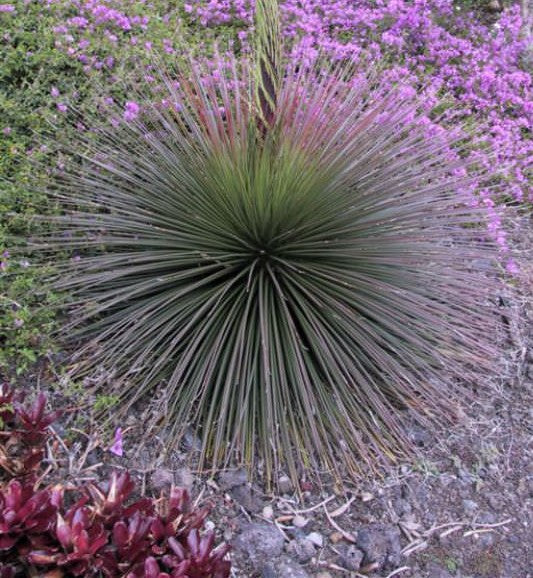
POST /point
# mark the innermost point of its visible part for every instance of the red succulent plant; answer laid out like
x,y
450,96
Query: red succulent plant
x,y
103,533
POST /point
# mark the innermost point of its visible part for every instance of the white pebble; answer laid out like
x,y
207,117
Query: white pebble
x,y
316,539
299,521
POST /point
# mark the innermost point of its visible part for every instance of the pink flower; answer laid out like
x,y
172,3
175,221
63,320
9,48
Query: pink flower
x,y
131,110
116,448
511,267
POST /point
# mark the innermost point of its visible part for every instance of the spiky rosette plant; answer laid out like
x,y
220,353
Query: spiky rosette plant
x,y
289,261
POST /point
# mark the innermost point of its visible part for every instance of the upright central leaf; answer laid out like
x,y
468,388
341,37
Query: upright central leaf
x,y
268,60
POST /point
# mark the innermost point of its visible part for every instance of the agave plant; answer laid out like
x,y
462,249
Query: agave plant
x,y
282,257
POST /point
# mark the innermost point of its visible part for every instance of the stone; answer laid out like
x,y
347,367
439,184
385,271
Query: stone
x,y
470,506
285,485
268,512
466,476
366,496
336,537
380,544
351,557
494,6
260,543
184,478
299,521
436,571
162,478
402,507
316,539
190,441
268,571
247,498
420,436
287,568
231,478
302,549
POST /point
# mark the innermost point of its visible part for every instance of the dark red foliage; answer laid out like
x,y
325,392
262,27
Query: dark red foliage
x,y
103,533
23,433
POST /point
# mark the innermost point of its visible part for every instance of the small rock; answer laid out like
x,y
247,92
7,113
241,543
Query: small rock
x,y
209,525
230,479
420,436
486,539
487,518
93,457
494,6
380,544
316,539
402,507
302,549
351,558
268,512
287,568
184,478
162,478
335,537
446,479
495,502
470,506
366,496
465,476
299,521
323,575
268,571
436,571
248,499
259,542
284,485
191,441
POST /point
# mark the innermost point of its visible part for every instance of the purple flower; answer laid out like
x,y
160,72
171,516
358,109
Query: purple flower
x,y
511,267
61,107
7,8
54,92
117,448
131,110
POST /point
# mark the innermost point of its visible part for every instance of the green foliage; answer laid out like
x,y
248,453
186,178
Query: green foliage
x,y
33,63
29,67
289,290
105,402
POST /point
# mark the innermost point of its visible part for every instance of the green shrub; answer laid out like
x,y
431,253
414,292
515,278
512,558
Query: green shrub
x,y
284,273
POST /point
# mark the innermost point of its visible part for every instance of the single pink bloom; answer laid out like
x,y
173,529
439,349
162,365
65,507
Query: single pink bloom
x,y
117,448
